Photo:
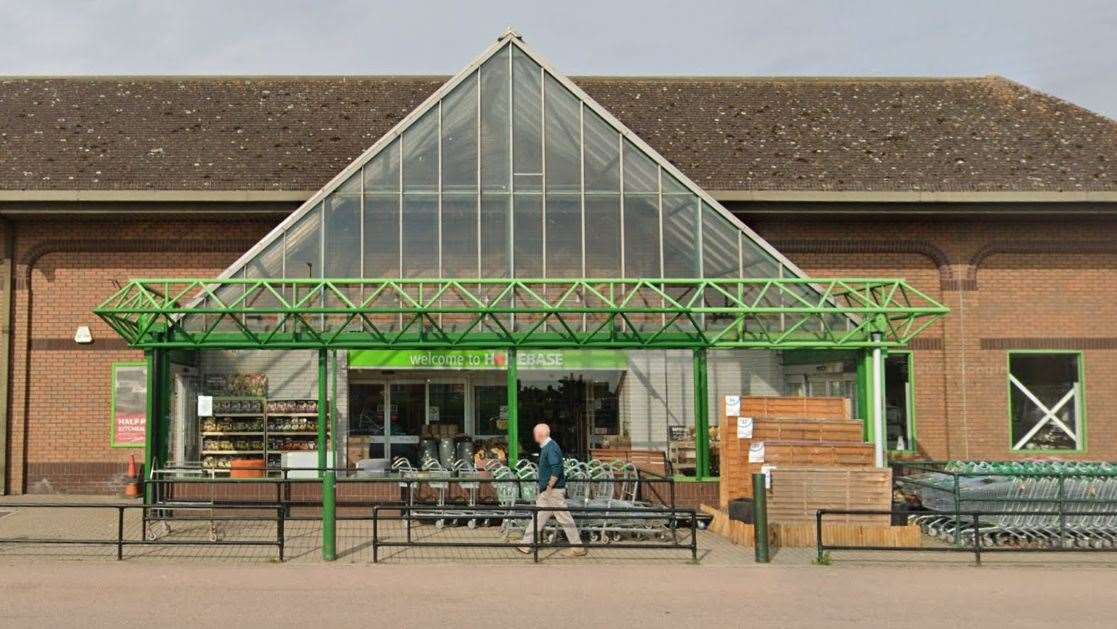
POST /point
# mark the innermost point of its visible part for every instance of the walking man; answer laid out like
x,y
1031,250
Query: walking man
x,y
552,492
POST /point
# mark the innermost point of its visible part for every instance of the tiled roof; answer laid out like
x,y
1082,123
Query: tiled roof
x,y
747,134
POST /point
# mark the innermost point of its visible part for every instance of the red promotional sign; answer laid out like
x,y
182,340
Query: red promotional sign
x,y
129,405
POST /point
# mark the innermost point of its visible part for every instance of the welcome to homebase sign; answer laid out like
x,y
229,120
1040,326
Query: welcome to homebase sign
x,y
487,359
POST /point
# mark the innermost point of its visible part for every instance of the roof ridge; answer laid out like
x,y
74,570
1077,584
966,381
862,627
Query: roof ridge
x,y
443,77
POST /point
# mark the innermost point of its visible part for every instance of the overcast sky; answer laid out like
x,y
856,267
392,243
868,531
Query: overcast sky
x,y
1067,47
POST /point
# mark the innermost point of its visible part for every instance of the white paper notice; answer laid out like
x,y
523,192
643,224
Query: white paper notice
x,y
205,406
744,428
756,452
766,470
732,405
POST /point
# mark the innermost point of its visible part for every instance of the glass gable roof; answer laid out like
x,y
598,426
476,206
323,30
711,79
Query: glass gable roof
x,y
511,171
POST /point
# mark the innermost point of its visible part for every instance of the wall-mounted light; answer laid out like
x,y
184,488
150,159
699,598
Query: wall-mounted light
x,y
83,335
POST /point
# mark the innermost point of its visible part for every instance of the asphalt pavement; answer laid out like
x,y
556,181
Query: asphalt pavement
x,y
176,594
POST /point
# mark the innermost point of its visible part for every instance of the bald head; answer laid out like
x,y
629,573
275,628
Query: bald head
x,y
541,432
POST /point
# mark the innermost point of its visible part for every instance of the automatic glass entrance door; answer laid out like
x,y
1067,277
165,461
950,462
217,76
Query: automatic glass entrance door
x,y
407,402
394,414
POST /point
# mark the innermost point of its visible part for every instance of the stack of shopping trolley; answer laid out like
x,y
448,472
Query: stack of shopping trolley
x,y
1024,504
606,492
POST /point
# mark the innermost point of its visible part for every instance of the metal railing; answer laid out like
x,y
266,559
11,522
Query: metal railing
x,y
973,529
653,488
121,540
668,518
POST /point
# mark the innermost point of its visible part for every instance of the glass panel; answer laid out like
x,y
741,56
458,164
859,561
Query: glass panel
x,y
602,167
758,262
581,407
495,122
382,171
897,387
407,416
382,207
420,154
719,245
268,263
495,245
490,407
366,409
382,235
1045,405
641,214
459,138
302,258
447,405
420,235
640,173
603,203
459,235
527,123
343,230
603,235
528,238
563,150
680,229
564,235
641,235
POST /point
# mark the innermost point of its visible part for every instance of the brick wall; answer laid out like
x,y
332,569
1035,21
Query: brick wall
x,y
1010,284
60,395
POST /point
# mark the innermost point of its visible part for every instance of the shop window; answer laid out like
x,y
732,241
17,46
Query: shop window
x,y
899,388
490,407
835,377
581,407
1045,398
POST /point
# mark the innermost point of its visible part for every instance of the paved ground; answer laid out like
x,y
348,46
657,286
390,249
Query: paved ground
x,y
54,585
168,595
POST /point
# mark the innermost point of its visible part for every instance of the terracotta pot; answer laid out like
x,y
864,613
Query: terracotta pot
x,y
246,468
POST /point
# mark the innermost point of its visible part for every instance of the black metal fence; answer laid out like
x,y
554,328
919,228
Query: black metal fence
x,y
291,494
645,528
978,533
290,487
216,513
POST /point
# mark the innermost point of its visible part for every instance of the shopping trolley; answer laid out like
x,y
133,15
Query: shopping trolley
x,y
157,521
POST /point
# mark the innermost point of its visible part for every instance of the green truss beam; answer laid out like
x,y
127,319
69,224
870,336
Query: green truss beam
x,y
517,313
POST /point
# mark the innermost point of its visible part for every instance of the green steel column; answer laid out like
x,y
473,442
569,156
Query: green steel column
x,y
323,413
334,438
329,478
163,382
760,517
150,422
329,516
701,415
513,401
865,394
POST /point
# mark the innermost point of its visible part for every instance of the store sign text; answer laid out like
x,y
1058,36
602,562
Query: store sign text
x,y
487,359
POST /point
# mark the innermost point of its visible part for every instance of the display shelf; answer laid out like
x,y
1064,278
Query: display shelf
x,y
267,433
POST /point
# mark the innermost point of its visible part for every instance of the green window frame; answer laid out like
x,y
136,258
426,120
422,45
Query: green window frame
x,y
1077,393
115,439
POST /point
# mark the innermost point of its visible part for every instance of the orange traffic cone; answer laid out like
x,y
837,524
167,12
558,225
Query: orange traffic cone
x,y
132,488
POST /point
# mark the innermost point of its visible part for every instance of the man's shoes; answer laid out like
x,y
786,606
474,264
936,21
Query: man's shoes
x,y
576,552
524,549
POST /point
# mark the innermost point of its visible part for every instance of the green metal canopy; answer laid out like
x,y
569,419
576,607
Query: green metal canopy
x,y
518,313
